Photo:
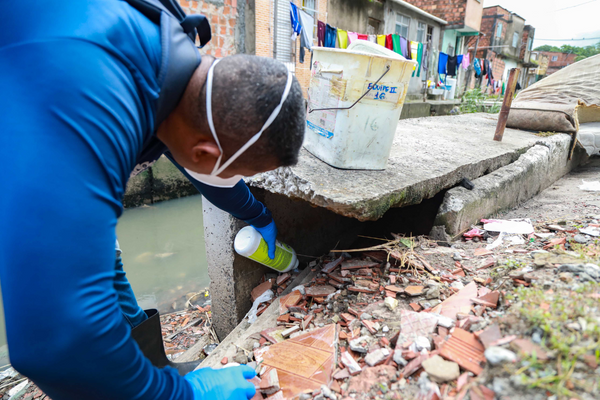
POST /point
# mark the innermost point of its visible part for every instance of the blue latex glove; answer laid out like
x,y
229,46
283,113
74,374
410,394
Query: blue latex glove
x,y
269,233
222,384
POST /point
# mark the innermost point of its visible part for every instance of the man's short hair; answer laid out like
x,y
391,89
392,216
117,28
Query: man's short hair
x,y
246,89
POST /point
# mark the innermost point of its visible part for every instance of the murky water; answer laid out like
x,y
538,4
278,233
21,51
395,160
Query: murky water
x,y
163,255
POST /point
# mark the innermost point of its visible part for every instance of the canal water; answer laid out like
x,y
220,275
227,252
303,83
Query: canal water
x,y
163,255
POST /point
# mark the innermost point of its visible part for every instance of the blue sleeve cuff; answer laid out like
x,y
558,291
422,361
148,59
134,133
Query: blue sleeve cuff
x,y
237,201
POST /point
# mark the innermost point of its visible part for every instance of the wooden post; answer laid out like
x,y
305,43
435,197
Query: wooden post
x,y
508,98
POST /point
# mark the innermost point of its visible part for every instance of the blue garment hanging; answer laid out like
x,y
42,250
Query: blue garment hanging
x,y
295,18
330,36
443,61
477,67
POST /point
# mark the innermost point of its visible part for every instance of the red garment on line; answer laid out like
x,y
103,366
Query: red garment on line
x,y
388,42
362,36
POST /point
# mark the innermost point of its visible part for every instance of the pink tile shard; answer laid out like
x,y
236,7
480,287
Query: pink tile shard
x,y
413,324
457,303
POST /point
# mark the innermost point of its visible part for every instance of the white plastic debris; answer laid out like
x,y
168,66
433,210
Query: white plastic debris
x,y
590,231
18,390
593,186
8,373
519,226
266,296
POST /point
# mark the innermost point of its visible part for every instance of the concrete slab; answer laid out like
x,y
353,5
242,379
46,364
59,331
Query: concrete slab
x,y
507,187
428,156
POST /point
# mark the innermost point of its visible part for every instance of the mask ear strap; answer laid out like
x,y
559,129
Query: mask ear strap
x,y
209,82
268,123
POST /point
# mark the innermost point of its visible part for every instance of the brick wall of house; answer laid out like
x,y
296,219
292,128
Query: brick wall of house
x,y
563,60
264,37
223,19
452,11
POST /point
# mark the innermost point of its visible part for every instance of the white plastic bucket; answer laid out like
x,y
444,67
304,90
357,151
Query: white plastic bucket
x,y
360,137
450,89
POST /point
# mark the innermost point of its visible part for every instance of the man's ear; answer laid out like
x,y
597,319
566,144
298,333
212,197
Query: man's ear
x,y
202,149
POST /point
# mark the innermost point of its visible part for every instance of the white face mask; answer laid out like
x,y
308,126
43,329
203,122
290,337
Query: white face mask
x,y
213,179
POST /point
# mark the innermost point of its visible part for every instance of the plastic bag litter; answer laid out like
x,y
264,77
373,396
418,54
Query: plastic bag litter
x,y
590,186
519,226
266,296
511,239
18,390
590,231
9,372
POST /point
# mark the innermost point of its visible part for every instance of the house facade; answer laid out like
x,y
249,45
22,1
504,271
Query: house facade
x,y
558,61
506,41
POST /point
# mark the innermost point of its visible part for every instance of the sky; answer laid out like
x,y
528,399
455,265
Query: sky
x,y
557,19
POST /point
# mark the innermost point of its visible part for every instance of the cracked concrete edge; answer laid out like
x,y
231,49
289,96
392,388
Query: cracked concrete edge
x,y
285,181
535,170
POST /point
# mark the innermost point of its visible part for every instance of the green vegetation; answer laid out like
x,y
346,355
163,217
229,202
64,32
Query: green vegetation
x,y
472,102
571,337
582,52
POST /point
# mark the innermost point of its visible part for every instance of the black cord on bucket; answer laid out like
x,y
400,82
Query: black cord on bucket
x,y
359,99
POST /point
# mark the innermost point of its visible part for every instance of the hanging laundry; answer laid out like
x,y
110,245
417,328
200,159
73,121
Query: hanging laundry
x,y
320,33
477,67
306,36
425,56
396,44
419,58
296,26
408,54
459,60
352,36
372,38
466,61
389,43
483,67
442,63
362,36
414,53
381,40
404,47
342,38
451,66
330,34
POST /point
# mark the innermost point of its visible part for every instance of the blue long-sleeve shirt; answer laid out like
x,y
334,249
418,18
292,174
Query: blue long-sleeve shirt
x,y
78,86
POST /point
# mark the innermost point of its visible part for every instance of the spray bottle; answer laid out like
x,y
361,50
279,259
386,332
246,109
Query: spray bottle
x,y
250,244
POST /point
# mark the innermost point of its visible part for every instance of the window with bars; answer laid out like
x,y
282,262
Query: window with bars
x,y
429,34
283,49
499,29
421,29
515,39
402,25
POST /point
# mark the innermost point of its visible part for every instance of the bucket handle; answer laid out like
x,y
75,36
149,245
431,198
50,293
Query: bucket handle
x,y
359,99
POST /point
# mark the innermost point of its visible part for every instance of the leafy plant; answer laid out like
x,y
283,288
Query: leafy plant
x,y
473,101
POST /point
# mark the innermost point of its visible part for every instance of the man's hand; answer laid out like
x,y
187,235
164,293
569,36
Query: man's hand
x,y
269,233
222,384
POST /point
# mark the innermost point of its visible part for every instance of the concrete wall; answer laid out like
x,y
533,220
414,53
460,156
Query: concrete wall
x,y
473,15
516,25
162,181
506,187
449,40
311,231
353,15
